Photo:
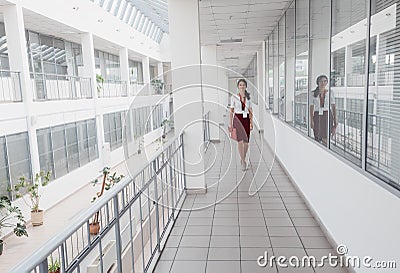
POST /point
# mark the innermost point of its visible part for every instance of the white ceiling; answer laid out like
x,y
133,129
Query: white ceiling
x,y
249,20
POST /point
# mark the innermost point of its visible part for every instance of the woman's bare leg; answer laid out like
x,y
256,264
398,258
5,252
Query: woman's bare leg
x,y
241,150
245,149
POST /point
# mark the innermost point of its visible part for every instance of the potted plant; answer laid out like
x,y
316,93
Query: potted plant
x,y
32,189
108,182
157,85
164,125
100,81
54,265
11,217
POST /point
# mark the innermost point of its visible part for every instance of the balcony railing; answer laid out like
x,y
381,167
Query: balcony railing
x,y
151,199
10,86
112,88
60,87
136,88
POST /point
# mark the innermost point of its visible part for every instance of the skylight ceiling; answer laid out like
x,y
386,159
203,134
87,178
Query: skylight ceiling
x,y
150,17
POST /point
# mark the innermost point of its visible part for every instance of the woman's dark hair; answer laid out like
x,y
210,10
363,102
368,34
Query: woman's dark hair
x,y
316,90
247,94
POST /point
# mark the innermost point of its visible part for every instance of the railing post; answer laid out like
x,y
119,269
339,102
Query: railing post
x,y
155,167
117,234
43,266
183,163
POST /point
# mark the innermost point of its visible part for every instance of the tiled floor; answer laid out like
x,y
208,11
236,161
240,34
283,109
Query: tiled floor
x,y
226,230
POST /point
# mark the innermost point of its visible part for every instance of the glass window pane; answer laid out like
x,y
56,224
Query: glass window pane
x,y
59,150
83,144
72,146
282,68
383,141
45,150
18,156
92,139
290,62
4,178
301,83
348,36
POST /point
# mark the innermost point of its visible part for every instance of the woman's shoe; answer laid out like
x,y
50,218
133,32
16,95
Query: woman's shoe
x,y
244,167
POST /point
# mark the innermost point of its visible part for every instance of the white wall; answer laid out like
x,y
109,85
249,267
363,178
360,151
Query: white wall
x,y
356,211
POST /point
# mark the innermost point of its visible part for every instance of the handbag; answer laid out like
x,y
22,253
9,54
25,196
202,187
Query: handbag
x,y
233,133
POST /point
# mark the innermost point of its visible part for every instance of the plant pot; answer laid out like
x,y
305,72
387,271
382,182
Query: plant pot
x,y
37,217
94,228
1,246
57,271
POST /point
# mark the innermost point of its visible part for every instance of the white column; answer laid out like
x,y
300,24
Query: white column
x,y
90,72
146,69
290,76
223,97
124,63
211,94
18,58
188,101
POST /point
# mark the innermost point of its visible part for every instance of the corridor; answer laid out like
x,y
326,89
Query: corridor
x,y
226,230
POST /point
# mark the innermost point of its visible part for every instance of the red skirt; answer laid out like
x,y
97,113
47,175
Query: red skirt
x,y
242,126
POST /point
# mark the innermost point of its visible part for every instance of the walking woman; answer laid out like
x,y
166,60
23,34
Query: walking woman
x,y
241,119
319,108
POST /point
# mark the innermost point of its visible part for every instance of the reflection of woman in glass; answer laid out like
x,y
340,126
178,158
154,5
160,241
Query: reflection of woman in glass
x,y
319,108
241,118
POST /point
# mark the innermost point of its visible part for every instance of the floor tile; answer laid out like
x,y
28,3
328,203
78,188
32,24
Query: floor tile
x,y
253,267
224,241
223,266
286,242
254,241
225,230
282,231
182,266
168,254
191,254
222,253
195,241
315,242
163,267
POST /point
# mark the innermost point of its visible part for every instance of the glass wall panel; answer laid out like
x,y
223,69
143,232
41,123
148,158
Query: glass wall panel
x,y
136,71
383,141
290,62
107,65
302,56
319,52
282,68
271,72
276,69
348,36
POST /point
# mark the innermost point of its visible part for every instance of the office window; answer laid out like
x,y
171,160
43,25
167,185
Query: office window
x,y
282,68
59,150
45,147
92,139
113,129
383,123
276,69
135,71
158,116
14,160
107,65
72,146
83,143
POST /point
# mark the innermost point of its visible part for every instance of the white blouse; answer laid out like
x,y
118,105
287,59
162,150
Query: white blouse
x,y
316,102
236,105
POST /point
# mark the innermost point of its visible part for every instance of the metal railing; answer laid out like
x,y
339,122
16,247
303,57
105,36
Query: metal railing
x,y
60,87
300,115
348,137
112,88
116,243
10,86
206,130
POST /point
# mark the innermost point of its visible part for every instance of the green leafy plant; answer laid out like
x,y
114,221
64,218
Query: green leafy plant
x,y
157,85
26,188
108,182
100,81
54,265
11,217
